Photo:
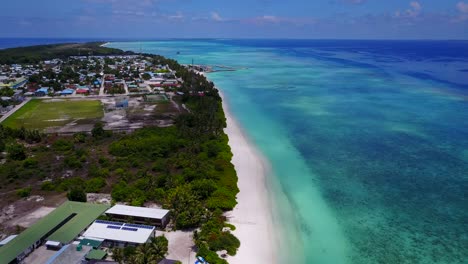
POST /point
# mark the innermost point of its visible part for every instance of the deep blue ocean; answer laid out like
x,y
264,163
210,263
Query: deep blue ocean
x,y
368,141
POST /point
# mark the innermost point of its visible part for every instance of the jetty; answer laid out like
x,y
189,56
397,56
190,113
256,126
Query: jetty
x,y
214,68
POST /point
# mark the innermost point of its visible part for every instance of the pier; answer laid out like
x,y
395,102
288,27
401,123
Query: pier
x,y
214,68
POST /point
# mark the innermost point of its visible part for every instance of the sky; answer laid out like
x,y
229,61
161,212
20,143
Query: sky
x,y
314,19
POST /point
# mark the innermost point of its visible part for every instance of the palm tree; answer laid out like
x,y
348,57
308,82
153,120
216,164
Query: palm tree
x,y
159,247
144,255
118,255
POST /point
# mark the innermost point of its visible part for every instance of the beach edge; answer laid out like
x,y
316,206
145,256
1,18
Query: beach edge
x,y
253,214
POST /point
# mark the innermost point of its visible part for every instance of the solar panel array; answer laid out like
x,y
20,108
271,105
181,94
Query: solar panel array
x,y
109,222
140,226
123,226
129,228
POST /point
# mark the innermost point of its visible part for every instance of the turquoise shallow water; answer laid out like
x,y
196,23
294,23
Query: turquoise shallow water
x,y
367,140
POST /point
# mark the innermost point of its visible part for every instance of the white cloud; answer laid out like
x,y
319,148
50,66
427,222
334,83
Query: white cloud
x,y
415,9
412,12
177,16
416,6
216,17
272,19
462,7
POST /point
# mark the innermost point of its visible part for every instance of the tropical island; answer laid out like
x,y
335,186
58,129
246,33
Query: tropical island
x,y
104,128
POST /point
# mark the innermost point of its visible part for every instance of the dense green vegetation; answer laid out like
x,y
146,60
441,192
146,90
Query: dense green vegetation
x,y
35,54
214,236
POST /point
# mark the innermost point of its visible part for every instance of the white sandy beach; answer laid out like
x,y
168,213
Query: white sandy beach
x,y
253,214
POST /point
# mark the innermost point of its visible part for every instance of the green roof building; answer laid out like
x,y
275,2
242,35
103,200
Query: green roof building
x,y
61,225
96,254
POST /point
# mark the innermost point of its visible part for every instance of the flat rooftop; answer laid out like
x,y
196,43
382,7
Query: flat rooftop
x,y
117,231
138,211
69,254
74,217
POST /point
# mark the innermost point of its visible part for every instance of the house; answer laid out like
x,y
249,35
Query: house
x,y
171,83
42,91
118,234
97,83
143,215
82,90
67,92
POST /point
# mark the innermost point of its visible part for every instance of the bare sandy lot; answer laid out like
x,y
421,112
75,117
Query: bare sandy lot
x,y
29,219
39,256
181,246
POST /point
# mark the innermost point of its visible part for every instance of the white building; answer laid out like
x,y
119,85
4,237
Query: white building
x,y
143,215
119,234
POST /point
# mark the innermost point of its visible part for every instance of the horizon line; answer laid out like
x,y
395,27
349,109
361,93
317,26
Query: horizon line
x,y
108,39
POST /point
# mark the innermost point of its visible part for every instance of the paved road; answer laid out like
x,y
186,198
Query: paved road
x,y
101,90
125,87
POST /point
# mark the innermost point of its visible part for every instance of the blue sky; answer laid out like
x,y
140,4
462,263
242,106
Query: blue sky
x,y
342,19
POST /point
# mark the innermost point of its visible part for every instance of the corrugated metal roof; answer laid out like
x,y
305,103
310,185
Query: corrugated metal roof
x,y
146,212
96,254
85,214
118,232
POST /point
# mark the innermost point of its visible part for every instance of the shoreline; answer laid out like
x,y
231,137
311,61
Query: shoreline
x,y
253,214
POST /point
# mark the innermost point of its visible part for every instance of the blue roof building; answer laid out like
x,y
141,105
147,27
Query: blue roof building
x,y
44,90
67,92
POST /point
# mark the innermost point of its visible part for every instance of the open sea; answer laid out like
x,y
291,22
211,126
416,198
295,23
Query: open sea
x,y
368,141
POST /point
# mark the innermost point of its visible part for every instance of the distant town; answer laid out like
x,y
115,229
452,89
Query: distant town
x,y
85,75
124,77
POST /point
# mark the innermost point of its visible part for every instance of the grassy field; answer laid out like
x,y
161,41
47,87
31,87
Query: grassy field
x,y
41,114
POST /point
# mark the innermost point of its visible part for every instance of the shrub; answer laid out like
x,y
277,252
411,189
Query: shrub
x,y
30,163
62,145
210,256
24,192
48,186
16,152
95,185
80,137
72,162
76,195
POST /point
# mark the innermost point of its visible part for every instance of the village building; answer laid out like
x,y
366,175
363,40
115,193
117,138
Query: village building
x,y
142,215
117,234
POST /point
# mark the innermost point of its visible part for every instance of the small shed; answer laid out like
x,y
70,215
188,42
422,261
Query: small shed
x,y
96,254
54,245
94,243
